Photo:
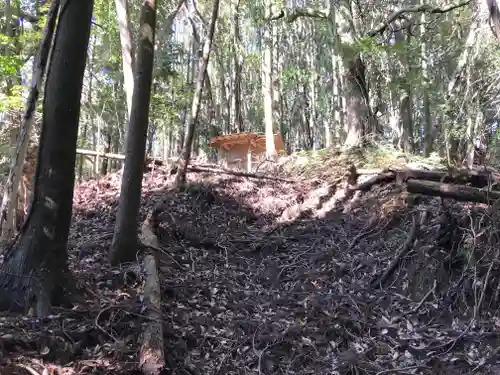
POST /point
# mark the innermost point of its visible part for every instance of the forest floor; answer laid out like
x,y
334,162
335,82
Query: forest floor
x,y
298,275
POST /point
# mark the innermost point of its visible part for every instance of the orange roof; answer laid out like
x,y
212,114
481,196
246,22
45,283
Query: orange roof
x,y
232,138
257,141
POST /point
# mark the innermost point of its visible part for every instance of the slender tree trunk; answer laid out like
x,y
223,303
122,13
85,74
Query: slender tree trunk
x,y
406,101
180,178
127,50
267,87
425,78
338,115
90,116
276,69
237,57
35,269
82,157
312,98
125,241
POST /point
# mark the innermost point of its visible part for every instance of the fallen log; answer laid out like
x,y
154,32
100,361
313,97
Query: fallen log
x,y
475,178
151,355
196,169
458,192
376,180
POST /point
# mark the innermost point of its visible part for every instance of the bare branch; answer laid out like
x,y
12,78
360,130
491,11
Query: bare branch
x,y
425,8
292,15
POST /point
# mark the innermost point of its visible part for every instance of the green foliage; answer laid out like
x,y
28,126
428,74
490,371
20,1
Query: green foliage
x,y
366,44
9,66
14,101
295,75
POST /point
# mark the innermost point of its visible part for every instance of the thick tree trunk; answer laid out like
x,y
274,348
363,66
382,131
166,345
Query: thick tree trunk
x,y
124,243
359,117
35,269
11,187
180,177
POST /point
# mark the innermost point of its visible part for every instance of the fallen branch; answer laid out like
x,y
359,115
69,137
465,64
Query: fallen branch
x,y
458,192
419,305
151,356
405,248
108,155
232,173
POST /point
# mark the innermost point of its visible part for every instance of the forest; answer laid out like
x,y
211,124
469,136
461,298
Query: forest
x,y
279,187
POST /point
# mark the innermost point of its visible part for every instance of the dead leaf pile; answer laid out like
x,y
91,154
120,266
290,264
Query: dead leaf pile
x,y
391,284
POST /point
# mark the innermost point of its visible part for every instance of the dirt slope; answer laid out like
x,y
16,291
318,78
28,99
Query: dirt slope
x,y
261,276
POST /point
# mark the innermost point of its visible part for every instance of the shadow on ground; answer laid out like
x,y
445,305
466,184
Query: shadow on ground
x,y
246,292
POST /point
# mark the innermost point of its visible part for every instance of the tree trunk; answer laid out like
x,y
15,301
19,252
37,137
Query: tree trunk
x,y
311,64
35,267
124,243
406,120
406,104
7,210
267,86
428,136
107,150
180,177
82,157
356,97
127,50
276,84
238,66
452,92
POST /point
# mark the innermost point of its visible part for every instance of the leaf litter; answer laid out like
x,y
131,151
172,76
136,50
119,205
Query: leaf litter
x,y
246,292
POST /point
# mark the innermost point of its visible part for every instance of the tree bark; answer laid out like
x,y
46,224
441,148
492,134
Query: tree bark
x,y
359,115
127,50
426,103
458,192
124,243
267,85
35,268
237,66
7,217
180,177
151,355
